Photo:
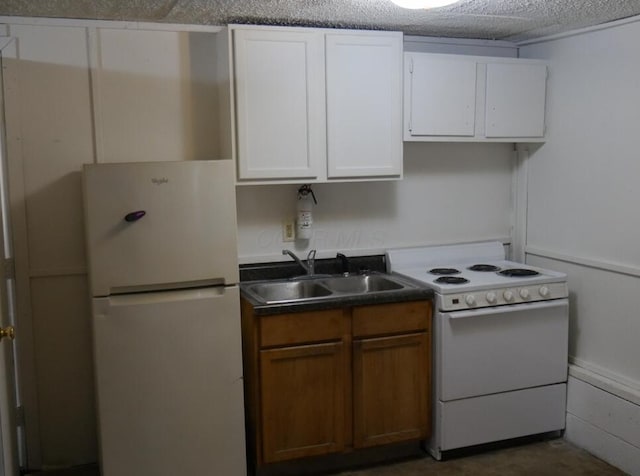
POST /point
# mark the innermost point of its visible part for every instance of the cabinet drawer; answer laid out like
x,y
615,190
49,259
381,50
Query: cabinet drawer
x,y
395,318
302,327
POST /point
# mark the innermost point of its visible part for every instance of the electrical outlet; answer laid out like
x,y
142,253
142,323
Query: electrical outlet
x,y
288,230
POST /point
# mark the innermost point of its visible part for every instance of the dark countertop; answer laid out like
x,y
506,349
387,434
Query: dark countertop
x,y
290,269
252,274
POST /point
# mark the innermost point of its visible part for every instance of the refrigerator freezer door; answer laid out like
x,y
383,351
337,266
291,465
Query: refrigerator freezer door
x,y
169,381
160,225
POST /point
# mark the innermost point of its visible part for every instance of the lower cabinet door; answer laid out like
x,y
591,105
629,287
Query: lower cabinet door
x,y
398,410
302,401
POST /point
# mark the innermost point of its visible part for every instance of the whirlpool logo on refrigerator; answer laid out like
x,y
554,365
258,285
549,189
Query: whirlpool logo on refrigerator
x,y
159,181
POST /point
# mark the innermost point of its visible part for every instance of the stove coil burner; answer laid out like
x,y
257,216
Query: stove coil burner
x,y
444,271
518,272
451,280
485,268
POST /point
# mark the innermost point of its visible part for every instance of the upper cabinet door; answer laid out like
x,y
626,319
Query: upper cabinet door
x,y
515,100
441,96
279,103
364,104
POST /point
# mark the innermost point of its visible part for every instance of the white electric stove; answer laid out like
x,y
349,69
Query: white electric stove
x,y
500,343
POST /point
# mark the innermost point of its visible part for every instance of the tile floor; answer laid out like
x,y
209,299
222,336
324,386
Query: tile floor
x,y
547,458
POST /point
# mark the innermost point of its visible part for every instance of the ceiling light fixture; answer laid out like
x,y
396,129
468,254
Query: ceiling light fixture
x,y
415,4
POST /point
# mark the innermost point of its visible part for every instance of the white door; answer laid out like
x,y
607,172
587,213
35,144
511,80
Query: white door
x,y
157,224
364,104
504,348
279,86
441,95
515,100
8,434
169,383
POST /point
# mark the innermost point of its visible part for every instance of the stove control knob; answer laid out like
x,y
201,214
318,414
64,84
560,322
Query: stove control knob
x,y
544,291
491,297
508,296
470,300
524,293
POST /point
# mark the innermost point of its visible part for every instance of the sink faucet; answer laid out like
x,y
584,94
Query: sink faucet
x,y
344,262
311,261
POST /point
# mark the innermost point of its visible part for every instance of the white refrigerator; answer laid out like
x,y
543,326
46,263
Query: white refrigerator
x,y
161,241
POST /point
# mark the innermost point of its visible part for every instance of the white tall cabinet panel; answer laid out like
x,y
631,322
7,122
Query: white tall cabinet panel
x,y
279,103
49,136
166,83
447,105
515,100
66,399
364,104
52,101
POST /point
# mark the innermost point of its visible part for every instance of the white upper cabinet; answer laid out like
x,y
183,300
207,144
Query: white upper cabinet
x,y
447,107
515,100
316,105
364,105
472,98
279,91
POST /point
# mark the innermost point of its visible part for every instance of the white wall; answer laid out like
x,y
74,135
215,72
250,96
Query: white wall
x,y
450,193
582,201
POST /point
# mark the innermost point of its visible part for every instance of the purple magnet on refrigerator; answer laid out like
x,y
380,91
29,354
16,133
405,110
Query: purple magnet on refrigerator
x,y
134,216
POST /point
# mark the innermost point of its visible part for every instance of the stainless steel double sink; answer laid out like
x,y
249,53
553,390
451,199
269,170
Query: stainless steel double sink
x,y
309,287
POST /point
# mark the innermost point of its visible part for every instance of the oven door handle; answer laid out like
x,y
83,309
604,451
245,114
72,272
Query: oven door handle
x,y
492,311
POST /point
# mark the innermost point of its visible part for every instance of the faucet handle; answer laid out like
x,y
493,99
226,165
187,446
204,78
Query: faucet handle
x,y
311,255
344,262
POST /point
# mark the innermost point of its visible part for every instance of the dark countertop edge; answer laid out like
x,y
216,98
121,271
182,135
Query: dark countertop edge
x,y
418,294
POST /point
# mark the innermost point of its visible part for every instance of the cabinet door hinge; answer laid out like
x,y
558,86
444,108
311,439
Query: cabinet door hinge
x,y
9,268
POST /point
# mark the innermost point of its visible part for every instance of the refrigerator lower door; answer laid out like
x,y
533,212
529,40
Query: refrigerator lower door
x,y
169,383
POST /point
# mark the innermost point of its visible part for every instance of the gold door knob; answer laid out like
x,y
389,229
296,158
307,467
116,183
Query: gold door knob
x,y
8,331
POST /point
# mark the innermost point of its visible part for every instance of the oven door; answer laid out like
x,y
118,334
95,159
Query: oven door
x,y
491,350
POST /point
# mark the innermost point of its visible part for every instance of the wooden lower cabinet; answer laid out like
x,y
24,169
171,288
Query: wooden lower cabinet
x,y
302,401
390,389
330,381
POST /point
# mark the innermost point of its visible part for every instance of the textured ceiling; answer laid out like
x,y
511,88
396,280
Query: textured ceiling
x,y
513,20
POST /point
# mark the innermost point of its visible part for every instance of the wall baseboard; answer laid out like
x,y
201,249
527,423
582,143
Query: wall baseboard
x,y
604,424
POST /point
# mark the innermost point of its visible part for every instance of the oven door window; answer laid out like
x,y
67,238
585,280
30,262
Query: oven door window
x,y
491,350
